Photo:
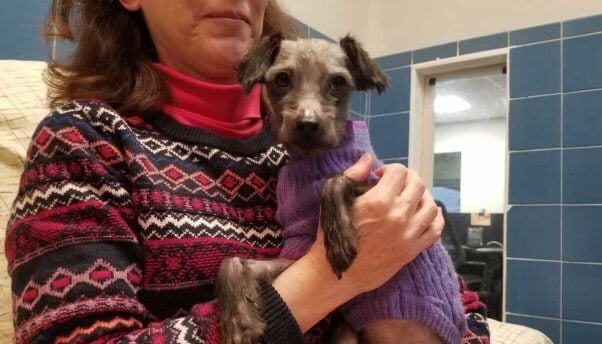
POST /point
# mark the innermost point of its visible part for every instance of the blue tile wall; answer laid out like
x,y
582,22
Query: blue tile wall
x,y
581,299
582,63
582,182
534,123
582,26
397,98
535,70
549,327
358,102
580,333
582,237
436,52
550,203
534,177
395,60
533,288
535,34
526,228
491,42
389,135
582,122
21,24
313,33
302,27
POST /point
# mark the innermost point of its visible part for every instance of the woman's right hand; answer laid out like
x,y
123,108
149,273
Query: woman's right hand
x,y
396,220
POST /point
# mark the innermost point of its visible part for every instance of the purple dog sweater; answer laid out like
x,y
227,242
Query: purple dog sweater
x,y
425,290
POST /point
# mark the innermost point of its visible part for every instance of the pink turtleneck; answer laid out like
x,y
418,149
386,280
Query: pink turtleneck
x,y
225,110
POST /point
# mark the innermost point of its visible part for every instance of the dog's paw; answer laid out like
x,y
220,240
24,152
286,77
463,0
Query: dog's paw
x,y
341,256
238,298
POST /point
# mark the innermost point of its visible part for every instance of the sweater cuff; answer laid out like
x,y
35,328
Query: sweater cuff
x,y
281,326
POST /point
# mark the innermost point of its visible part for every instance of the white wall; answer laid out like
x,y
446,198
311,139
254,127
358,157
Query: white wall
x,y
391,26
335,18
483,147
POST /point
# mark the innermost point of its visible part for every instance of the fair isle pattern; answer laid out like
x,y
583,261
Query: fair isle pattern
x,y
67,141
117,222
157,226
155,199
228,186
28,330
67,192
100,275
183,330
98,327
275,155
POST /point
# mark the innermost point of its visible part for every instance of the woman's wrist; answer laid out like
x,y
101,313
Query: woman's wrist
x,y
311,289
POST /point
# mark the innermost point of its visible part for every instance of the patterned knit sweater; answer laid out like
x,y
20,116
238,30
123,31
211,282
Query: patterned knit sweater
x,y
119,227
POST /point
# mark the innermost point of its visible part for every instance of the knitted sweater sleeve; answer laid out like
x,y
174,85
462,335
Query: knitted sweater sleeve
x,y
74,251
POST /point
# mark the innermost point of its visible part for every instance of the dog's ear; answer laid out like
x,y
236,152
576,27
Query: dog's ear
x,y
366,73
258,60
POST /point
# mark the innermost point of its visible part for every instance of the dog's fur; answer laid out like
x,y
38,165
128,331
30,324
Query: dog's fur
x,y
308,85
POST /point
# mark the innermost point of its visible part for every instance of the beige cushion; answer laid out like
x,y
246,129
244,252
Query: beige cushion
x,y
505,333
22,106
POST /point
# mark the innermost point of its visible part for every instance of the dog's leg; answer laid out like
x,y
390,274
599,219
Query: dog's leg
x,y
340,235
344,334
238,297
392,331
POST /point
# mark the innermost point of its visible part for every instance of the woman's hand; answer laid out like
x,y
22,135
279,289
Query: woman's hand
x,y
396,220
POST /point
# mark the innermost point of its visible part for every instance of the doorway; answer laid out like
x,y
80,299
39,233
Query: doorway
x,y
460,137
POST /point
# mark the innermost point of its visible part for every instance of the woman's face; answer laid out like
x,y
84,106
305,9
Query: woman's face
x,y
204,39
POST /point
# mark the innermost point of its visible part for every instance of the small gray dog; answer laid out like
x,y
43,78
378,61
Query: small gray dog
x,y
308,85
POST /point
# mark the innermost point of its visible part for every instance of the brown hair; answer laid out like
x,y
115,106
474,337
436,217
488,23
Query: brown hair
x,y
114,53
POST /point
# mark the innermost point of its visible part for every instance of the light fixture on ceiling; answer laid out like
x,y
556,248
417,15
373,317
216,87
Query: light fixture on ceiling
x,y
450,104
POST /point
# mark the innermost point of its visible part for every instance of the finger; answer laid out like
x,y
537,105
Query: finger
x,y
426,213
433,232
360,171
412,196
392,180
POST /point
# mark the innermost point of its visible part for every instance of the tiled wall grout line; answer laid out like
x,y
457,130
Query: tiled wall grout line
x,y
534,150
554,205
561,172
391,114
579,36
531,316
589,90
556,149
552,261
548,318
537,96
396,68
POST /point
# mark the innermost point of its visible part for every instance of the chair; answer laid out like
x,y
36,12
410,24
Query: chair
x,y
477,274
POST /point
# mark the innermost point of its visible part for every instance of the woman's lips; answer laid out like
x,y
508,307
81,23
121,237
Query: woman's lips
x,y
229,16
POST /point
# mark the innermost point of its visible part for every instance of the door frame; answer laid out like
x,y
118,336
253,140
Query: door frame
x,y
421,144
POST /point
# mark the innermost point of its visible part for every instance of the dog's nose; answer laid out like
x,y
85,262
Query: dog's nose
x,y
308,125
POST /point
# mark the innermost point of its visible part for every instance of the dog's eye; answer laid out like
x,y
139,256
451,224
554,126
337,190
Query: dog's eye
x,y
282,79
338,83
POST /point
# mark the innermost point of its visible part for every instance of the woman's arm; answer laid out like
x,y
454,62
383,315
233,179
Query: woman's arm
x,y
75,258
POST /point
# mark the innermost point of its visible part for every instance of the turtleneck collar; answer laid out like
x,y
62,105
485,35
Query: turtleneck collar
x,y
225,110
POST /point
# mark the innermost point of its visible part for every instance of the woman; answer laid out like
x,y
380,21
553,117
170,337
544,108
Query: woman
x,y
154,166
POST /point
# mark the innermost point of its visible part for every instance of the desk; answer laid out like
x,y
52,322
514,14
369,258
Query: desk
x,y
491,285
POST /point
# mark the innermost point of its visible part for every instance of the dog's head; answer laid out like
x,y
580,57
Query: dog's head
x,y
308,85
